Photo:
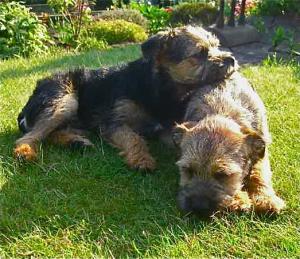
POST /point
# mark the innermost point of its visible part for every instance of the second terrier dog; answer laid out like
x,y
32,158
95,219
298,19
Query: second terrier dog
x,y
224,163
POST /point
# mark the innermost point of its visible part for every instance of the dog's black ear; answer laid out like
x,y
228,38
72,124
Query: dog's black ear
x,y
180,129
256,143
153,46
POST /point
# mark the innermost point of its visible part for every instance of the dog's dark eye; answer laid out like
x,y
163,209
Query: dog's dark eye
x,y
221,175
200,55
188,171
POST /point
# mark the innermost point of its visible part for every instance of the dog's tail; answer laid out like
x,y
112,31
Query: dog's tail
x,y
22,123
35,105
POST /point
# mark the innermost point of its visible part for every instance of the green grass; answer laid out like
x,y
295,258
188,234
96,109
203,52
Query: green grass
x,y
84,204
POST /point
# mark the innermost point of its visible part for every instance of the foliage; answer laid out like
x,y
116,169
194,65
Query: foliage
x,y
129,15
277,7
33,1
21,33
281,35
117,31
273,61
92,43
158,18
76,14
250,6
187,13
259,24
61,6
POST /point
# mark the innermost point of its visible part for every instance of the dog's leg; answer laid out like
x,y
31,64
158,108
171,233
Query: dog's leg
x,y
128,118
133,148
64,109
240,202
70,137
260,188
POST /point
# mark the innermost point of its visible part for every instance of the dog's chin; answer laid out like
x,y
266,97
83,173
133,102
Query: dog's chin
x,y
230,70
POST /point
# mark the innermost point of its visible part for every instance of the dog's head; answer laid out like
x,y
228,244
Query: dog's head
x,y
190,55
216,156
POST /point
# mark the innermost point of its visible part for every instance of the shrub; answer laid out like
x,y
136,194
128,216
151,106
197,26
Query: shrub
x,y
75,15
128,15
194,13
33,1
90,43
158,17
277,7
21,33
117,31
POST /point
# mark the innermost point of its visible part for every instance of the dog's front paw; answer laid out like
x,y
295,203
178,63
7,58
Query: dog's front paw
x,y
25,152
270,204
142,161
240,202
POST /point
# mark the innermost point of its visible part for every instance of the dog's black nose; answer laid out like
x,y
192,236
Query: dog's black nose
x,y
229,61
196,204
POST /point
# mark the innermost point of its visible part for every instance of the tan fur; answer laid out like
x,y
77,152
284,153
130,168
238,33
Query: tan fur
x,y
130,113
259,186
26,151
133,148
223,144
239,202
69,136
186,71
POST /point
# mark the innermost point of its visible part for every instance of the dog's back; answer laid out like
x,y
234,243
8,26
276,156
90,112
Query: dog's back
x,y
234,98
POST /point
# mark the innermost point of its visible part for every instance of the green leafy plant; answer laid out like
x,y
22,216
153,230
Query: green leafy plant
x,y
279,36
285,36
92,43
75,15
21,33
129,15
259,24
61,6
186,13
117,31
277,7
158,18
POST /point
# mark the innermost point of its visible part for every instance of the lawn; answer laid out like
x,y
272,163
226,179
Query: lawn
x,y
88,203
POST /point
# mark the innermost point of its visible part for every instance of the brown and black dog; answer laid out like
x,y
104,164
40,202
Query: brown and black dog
x,y
124,103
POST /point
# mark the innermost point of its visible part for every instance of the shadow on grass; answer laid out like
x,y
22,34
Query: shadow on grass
x,y
91,197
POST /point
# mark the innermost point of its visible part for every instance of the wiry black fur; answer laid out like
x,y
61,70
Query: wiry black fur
x,y
98,90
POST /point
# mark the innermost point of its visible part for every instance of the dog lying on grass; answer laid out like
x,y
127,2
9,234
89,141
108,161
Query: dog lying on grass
x,y
224,163
123,103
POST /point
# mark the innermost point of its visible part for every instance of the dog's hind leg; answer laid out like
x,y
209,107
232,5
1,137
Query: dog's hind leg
x,y
260,189
51,118
70,137
133,148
